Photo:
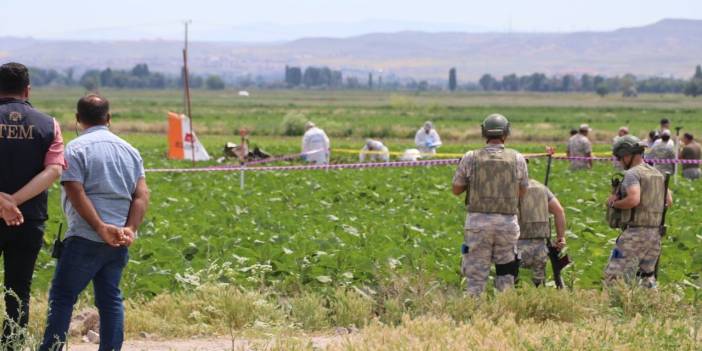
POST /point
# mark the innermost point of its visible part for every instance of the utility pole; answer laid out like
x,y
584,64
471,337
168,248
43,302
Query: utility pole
x,y
186,87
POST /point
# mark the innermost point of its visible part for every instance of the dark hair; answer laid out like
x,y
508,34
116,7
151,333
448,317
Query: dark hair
x,y
665,121
93,109
573,131
665,137
689,136
14,78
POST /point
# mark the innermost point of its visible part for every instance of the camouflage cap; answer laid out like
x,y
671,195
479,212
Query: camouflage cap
x,y
495,125
627,145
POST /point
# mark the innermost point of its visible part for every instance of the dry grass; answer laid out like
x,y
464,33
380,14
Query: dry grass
x,y
416,314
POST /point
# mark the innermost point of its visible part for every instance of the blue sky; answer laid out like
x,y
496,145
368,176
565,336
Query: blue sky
x,y
271,20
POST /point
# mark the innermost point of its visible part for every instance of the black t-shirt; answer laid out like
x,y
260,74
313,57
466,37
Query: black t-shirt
x,y
25,137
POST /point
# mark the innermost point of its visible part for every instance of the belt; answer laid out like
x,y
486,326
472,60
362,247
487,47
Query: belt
x,y
640,226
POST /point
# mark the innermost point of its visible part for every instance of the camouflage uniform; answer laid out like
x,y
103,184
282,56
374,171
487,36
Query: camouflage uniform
x,y
532,246
691,152
663,151
491,237
639,245
579,145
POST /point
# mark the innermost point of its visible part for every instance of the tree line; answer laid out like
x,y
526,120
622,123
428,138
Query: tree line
x,y
629,85
139,77
323,77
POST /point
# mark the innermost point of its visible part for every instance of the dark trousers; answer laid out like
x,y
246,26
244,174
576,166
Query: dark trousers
x,y
83,261
19,247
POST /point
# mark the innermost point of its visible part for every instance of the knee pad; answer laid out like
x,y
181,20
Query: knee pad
x,y
642,274
511,268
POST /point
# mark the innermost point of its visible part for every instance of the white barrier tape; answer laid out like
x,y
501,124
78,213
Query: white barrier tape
x,y
610,159
397,164
308,167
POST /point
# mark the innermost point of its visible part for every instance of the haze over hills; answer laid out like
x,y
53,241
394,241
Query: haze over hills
x,y
667,48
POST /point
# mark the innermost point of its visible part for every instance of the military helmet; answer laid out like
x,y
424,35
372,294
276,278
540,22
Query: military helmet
x,y
627,145
495,125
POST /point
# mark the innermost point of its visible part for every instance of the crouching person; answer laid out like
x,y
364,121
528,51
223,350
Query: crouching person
x,y
104,199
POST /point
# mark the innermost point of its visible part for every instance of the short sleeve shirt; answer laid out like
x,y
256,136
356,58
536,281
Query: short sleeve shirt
x,y
691,152
55,154
663,151
632,178
109,169
579,146
549,195
494,221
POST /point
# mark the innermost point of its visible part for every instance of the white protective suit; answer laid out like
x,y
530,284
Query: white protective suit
x,y
375,151
427,143
315,139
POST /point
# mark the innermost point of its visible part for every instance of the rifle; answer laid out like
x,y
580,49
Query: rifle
x,y
558,263
662,230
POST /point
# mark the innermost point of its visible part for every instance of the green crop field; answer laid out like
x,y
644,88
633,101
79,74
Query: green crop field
x,y
536,117
356,228
318,252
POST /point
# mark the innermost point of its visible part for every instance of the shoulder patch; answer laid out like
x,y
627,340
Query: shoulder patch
x,y
15,116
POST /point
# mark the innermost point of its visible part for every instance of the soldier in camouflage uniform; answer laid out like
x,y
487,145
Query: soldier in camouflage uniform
x,y
639,206
579,146
534,227
664,150
495,178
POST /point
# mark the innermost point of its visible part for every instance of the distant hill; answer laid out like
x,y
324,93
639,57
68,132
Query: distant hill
x,y
670,47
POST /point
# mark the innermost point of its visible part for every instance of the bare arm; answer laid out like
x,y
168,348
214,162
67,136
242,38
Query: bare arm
x,y
555,208
140,202
589,162
80,201
39,183
523,190
632,199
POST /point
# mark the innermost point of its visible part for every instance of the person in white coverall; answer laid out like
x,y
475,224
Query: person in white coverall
x,y
375,151
315,140
427,139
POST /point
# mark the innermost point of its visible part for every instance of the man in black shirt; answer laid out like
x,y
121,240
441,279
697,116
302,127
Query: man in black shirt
x,y
31,159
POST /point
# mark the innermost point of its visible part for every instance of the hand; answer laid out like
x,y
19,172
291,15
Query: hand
x,y
128,237
111,234
611,199
550,150
9,211
560,243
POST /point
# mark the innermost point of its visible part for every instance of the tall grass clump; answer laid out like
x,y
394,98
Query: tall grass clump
x,y
293,124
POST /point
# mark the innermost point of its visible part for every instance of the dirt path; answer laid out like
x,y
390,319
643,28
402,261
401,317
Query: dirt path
x,y
215,344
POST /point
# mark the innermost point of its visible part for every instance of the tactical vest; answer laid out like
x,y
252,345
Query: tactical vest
x,y
493,182
533,213
649,212
25,137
